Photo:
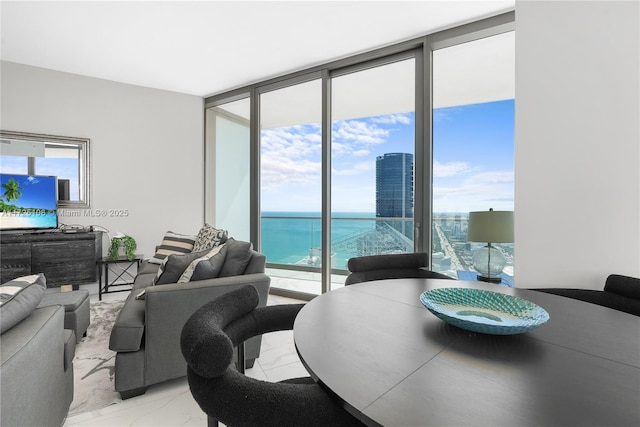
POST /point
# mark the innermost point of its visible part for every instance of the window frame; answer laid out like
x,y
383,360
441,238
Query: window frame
x,y
422,48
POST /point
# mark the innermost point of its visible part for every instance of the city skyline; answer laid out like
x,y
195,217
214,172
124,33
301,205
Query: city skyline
x,y
472,160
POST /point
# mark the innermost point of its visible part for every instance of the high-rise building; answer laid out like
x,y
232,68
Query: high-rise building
x,y
394,189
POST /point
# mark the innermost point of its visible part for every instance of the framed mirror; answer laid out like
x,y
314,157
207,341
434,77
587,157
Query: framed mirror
x,y
66,158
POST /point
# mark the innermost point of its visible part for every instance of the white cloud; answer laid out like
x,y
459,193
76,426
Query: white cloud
x,y
340,150
360,153
485,190
276,172
442,170
404,119
291,159
352,169
359,132
293,145
290,155
492,177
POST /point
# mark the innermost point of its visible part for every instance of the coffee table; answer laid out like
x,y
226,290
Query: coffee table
x,y
391,362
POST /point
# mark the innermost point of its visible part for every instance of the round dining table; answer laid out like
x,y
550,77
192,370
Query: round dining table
x,y
375,348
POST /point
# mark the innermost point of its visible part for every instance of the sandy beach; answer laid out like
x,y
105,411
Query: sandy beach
x,y
12,220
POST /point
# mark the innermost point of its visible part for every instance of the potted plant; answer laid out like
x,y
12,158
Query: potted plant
x,y
128,243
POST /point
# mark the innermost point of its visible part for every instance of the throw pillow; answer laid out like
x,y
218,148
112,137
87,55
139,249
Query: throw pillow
x,y
18,298
208,266
173,243
173,266
238,257
209,237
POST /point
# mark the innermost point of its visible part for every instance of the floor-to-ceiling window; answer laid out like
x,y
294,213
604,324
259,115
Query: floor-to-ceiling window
x,y
354,157
291,184
228,183
372,161
473,145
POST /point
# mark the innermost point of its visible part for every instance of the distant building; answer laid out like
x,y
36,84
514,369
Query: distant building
x,y
440,262
394,190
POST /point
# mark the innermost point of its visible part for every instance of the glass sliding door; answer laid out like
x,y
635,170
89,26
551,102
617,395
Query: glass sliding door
x,y
291,185
227,185
372,162
382,152
473,145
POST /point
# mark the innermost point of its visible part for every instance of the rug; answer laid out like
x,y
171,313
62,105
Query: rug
x,y
94,363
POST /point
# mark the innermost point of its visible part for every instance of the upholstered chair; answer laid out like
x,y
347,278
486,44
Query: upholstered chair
x,y
390,266
620,292
222,390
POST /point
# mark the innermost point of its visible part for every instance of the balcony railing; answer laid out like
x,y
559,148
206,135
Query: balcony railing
x,y
293,241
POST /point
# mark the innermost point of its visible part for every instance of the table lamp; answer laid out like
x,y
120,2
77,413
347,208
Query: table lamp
x,y
491,227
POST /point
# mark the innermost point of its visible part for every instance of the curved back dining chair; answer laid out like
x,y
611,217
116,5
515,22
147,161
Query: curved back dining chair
x,y
224,393
390,266
620,292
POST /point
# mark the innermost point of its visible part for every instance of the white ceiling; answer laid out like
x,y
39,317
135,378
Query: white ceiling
x,y
207,47
479,71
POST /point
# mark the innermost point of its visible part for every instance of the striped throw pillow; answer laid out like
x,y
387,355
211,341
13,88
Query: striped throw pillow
x,y
173,243
19,297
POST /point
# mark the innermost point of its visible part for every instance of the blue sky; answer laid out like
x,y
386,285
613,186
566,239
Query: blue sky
x,y
37,192
473,160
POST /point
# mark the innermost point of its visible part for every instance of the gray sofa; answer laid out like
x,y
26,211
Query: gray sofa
x,y
146,334
36,375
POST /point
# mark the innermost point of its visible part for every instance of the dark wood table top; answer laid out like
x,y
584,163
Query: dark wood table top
x,y
393,363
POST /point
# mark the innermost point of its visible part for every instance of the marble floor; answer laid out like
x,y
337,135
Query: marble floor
x,y
171,403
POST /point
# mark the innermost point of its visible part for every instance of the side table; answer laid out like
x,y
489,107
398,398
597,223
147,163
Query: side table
x,y
472,276
122,267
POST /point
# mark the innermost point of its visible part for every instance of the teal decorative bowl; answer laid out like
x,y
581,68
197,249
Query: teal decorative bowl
x,y
483,311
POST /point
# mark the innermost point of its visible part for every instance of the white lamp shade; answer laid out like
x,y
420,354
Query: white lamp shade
x,y
490,226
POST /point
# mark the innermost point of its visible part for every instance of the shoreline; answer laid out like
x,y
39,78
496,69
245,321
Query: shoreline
x,y
13,220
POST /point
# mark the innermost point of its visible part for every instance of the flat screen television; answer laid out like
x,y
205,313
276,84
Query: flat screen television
x,y
28,202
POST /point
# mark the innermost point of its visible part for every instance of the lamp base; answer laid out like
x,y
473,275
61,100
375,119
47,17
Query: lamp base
x,y
490,279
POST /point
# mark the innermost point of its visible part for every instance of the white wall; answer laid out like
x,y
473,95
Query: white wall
x,y
577,158
147,145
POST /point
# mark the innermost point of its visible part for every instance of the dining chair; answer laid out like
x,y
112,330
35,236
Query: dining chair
x,y
390,266
620,292
222,389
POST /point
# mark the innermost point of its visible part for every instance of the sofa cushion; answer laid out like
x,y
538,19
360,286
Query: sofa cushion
x,y
142,281
208,265
128,330
173,266
147,267
209,237
69,348
71,301
173,243
18,298
238,256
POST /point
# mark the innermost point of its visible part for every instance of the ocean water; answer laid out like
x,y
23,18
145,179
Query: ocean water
x,y
288,237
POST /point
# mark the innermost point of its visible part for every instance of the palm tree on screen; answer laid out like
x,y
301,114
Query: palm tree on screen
x,y
12,190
